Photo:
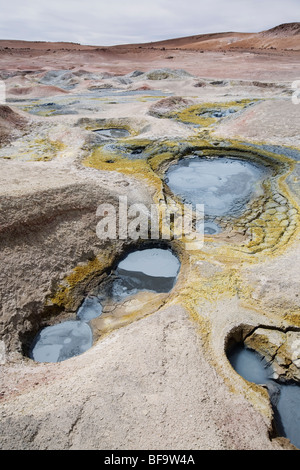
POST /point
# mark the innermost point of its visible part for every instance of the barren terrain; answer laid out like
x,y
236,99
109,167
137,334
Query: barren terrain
x,y
157,375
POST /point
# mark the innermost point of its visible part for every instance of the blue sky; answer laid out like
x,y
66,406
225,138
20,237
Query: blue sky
x,y
99,22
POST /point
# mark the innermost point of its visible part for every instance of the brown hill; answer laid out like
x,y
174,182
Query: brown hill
x,y
41,45
282,37
283,30
11,123
20,58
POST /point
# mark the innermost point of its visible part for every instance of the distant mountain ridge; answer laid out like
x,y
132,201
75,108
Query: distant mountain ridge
x,y
283,30
282,37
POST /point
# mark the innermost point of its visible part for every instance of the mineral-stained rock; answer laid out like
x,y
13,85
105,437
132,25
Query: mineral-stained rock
x,y
279,348
167,105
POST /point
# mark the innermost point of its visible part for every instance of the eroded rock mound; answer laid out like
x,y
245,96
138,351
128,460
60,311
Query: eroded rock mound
x,y
11,123
35,91
167,74
167,105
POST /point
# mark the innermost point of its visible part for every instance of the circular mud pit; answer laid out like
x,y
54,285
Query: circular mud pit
x,y
112,133
62,341
147,269
152,269
210,228
223,184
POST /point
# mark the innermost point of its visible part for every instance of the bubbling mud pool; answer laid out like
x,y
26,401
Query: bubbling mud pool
x,y
147,269
223,184
152,269
60,342
284,397
113,132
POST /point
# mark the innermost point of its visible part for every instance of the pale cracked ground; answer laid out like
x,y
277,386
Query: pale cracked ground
x,y
162,381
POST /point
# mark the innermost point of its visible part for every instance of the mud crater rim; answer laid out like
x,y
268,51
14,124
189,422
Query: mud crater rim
x,y
95,299
284,394
215,182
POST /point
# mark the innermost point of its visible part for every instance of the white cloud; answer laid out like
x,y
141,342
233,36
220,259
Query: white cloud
x,y
115,21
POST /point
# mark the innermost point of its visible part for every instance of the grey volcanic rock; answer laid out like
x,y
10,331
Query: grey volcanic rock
x,y
168,105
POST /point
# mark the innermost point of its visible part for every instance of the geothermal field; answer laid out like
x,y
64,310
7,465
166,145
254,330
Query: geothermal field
x,y
150,244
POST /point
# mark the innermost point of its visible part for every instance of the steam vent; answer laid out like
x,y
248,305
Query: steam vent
x,y
150,244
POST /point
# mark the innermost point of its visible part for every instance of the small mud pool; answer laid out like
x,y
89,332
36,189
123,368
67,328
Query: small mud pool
x,y
67,339
149,269
152,269
224,185
112,133
89,309
288,411
60,342
250,365
218,113
285,397
210,228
